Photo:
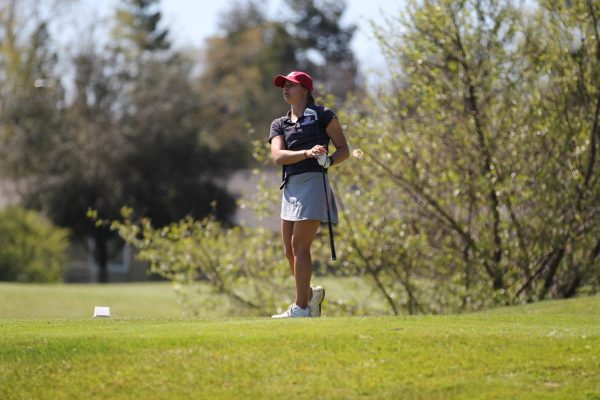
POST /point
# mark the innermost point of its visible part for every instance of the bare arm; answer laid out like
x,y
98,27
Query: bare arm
x,y
285,157
334,130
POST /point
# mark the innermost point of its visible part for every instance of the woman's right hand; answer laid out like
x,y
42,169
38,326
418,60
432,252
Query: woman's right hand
x,y
315,151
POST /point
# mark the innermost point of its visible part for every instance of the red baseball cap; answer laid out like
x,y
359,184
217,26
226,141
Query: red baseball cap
x,y
297,77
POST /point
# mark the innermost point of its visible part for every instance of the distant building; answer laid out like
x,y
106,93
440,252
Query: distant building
x,y
244,182
8,193
122,266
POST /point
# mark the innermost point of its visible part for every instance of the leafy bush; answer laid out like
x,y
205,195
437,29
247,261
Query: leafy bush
x,y
32,249
246,265
479,182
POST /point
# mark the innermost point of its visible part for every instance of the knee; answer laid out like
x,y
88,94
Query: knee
x,y
299,248
289,251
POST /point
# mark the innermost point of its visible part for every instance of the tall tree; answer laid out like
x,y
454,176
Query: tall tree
x,y
132,136
323,44
168,168
137,23
30,91
81,175
238,64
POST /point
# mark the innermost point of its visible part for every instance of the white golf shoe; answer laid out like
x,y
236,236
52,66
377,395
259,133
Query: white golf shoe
x,y
318,294
294,311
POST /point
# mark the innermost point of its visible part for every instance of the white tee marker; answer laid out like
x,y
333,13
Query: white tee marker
x,y
101,312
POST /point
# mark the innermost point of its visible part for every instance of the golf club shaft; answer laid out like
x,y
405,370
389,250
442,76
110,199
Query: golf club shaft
x,y
331,243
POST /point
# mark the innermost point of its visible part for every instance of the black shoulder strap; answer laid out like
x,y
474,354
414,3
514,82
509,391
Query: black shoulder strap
x,y
283,177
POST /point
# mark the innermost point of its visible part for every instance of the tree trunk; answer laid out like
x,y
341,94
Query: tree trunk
x,y
101,255
551,272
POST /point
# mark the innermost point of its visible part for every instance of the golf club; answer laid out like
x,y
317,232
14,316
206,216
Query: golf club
x,y
331,243
322,161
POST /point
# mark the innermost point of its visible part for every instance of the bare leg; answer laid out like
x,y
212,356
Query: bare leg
x,y
303,233
287,228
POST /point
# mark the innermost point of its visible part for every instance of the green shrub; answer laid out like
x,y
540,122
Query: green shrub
x,y
246,265
32,249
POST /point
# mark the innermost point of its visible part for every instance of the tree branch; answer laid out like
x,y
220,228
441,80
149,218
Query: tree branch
x,y
372,271
473,107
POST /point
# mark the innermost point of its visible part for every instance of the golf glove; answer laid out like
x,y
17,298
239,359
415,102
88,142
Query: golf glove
x,y
324,160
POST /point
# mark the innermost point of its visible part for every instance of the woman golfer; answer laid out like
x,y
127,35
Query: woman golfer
x,y
299,142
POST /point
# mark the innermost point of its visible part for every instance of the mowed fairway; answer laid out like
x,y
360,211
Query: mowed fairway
x,y
549,350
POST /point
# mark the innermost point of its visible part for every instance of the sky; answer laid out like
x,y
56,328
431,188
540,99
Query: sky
x,y
190,22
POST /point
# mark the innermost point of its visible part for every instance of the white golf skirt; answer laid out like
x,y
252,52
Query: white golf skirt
x,y
304,198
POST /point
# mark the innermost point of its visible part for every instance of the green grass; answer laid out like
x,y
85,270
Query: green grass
x,y
549,350
78,301
156,299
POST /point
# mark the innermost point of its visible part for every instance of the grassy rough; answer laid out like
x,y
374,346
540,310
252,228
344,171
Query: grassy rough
x,y
28,301
158,299
549,350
